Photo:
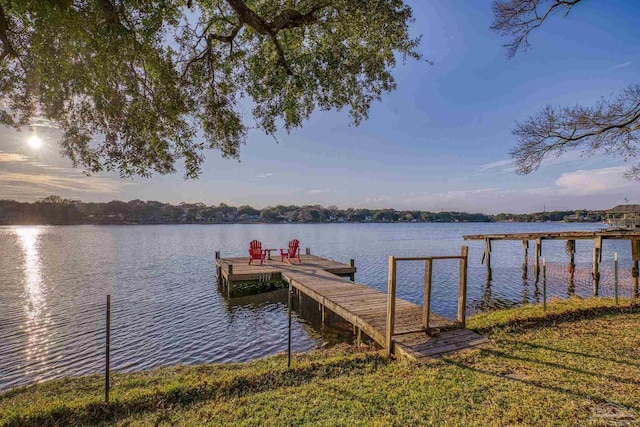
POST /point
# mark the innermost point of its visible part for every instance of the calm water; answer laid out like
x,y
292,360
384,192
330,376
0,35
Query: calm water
x,y
167,310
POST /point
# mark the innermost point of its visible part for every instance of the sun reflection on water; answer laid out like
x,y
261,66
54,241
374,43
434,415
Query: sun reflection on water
x,y
37,320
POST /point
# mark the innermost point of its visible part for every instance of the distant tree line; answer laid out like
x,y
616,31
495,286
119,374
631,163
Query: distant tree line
x,y
580,215
56,210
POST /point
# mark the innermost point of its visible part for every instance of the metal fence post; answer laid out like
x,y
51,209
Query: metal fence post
x,y
462,287
107,351
615,276
289,331
544,284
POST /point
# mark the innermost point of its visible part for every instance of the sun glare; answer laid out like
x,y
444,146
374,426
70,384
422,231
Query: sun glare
x,y
34,142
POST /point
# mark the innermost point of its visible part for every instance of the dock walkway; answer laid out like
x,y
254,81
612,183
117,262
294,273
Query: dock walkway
x,y
366,308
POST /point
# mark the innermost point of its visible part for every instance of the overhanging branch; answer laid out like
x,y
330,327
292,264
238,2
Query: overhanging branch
x,y
7,47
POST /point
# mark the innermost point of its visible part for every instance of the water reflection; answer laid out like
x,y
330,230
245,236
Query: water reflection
x,y
37,320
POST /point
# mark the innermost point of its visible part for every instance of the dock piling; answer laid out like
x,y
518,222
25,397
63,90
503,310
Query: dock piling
x,y
537,258
391,306
229,282
428,275
462,286
525,264
352,264
571,250
597,257
486,257
544,284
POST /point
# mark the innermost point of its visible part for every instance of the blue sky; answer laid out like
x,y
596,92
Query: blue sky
x,y
439,142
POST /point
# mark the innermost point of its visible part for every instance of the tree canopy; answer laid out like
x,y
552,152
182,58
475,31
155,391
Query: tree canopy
x,y
136,86
611,126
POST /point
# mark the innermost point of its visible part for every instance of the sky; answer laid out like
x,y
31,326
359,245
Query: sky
x,y
440,141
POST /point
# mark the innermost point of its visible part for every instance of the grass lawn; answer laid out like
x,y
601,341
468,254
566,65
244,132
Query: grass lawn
x,y
578,365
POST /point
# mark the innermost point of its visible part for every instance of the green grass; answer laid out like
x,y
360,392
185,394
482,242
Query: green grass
x,y
578,364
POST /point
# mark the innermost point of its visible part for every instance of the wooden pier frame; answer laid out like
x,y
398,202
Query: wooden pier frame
x,y
571,237
328,283
470,339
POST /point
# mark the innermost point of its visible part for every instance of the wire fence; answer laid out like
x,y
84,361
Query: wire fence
x,y
561,282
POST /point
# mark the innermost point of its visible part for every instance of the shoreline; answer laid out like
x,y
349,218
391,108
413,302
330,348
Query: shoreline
x,y
532,360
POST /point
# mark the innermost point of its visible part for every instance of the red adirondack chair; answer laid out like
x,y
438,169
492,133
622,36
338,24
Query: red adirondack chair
x,y
292,253
256,252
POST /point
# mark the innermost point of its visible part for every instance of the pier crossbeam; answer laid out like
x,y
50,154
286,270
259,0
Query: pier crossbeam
x,y
366,308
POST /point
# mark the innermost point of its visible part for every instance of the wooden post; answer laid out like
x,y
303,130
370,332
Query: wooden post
x,y
525,264
107,356
323,315
544,284
352,264
426,308
537,258
571,250
635,254
289,331
217,254
307,251
486,257
229,282
391,306
462,288
615,276
597,256
358,336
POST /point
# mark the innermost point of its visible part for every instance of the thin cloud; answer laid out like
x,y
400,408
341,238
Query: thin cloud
x,y
594,181
12,157
265,175
624,64
575,158
496,168
318,191
52,183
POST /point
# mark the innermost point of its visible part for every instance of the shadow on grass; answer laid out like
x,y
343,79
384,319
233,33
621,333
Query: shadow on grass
x,y
574,353
187,394
549,387
560,366
552,319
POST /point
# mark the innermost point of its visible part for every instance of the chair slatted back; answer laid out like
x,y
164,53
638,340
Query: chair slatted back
x,y
294,247
255,249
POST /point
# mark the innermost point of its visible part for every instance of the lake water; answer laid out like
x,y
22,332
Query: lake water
x,y
166,308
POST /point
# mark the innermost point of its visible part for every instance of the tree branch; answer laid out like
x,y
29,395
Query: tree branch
x,y
611,127
229,38
287,19
517,18
249,17
8,49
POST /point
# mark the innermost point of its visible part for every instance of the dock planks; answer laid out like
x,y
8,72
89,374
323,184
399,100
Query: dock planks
x,y
364,307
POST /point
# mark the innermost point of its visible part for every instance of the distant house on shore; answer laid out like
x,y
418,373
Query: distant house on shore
x,y
625,217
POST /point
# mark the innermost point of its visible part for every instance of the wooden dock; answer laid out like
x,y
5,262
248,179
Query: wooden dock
x,y
570,236
331,284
